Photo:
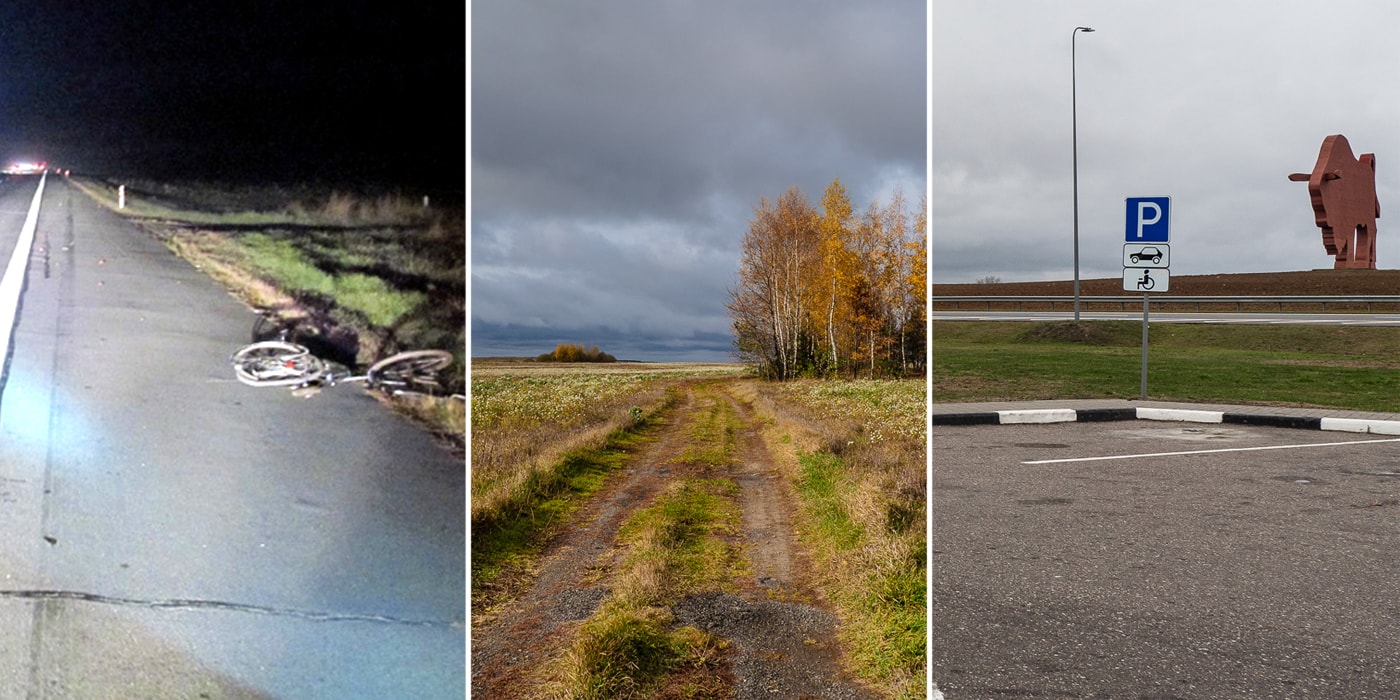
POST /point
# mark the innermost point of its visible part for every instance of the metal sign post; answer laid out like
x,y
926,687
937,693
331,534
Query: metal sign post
x,y
1144,345
1146,252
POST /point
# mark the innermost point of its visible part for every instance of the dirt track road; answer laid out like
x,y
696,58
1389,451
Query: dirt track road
x,y
781,643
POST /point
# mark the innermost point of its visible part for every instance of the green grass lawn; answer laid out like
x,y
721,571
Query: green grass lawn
x,y
1342,367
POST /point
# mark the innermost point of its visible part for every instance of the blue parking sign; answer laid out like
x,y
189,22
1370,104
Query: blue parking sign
x,y
1148,219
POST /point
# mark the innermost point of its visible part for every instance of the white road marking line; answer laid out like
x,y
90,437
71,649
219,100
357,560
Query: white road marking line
x,y
1206,452
13,281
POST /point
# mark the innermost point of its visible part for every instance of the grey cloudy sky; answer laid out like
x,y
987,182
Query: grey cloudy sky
x,y
1210,103
618,151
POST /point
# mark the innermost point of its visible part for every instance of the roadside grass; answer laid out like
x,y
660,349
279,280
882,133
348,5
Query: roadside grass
x,y
855,454
381,273
1349,367
221,203
687,541
283,263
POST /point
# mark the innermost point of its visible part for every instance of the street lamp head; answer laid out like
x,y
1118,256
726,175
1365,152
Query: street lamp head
x,y
1084,29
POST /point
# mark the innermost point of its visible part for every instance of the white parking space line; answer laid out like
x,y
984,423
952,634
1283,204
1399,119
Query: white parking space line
x,y
1206,452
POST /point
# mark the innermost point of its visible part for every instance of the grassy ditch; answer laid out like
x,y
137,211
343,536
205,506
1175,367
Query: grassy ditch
x,y
378,273
878,566
687,541
1341,367
855,454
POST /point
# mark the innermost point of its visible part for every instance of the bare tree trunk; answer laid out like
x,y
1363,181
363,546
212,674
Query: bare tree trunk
x,y
831,325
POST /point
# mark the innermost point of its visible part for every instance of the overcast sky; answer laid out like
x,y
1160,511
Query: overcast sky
x,y
1210,103
618,151
330,90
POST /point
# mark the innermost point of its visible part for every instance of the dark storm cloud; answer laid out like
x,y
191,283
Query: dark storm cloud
x,y
618,149
633,109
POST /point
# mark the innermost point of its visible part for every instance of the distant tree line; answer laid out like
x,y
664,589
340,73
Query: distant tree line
x,y
570,352
830,292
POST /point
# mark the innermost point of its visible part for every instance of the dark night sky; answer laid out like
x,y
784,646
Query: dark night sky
x,y
334,91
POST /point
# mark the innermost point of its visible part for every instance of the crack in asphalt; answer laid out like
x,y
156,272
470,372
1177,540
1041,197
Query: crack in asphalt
x,y
196,604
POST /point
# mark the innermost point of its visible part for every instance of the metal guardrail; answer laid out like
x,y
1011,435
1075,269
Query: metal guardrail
x,y
1163,299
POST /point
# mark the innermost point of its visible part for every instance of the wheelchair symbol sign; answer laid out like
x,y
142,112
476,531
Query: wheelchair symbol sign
x,y
1146,279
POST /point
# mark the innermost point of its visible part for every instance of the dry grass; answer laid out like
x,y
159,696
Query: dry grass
x,y
526,415
220,259
523,425
346,209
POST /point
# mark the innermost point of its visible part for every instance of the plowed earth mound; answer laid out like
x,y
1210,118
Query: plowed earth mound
x,y
1302,283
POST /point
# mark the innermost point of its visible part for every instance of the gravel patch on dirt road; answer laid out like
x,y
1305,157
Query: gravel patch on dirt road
x,y
781,650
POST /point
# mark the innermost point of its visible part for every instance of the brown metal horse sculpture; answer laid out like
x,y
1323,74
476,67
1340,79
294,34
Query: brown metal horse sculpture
x,y
1343,190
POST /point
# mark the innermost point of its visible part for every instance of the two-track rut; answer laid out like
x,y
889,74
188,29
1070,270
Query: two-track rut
x,y
778,647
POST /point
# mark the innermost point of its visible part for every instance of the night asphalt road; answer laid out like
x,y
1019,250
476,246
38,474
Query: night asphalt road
x,y
166,531
1249,573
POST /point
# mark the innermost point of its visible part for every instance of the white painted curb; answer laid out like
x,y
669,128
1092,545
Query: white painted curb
x,y
1040,415
1361,425
1180,414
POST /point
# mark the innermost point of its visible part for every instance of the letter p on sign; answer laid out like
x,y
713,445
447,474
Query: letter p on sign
x,y
1148,220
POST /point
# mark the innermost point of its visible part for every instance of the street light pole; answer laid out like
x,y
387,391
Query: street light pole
x,y
1074,122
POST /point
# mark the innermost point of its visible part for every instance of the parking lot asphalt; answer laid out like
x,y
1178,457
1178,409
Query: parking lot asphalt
x,y
1129,549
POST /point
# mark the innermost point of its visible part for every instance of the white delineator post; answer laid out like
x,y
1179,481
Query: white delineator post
x,y
121,196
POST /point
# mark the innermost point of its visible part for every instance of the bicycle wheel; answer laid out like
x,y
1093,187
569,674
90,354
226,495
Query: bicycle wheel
x,y
415,371
276,363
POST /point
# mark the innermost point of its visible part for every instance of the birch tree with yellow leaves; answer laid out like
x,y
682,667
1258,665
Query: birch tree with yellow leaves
x,y
830,293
